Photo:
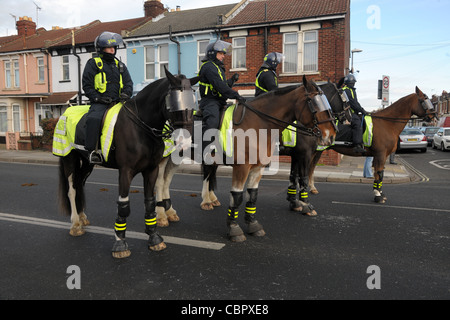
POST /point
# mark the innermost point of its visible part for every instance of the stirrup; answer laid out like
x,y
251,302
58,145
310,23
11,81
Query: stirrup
x,y
95,157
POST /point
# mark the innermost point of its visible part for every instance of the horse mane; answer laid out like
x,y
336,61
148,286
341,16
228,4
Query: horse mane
x,y
277,92
393,106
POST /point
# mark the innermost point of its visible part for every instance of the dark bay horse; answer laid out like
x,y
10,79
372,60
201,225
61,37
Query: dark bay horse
x,y
387,126
302,152
137,148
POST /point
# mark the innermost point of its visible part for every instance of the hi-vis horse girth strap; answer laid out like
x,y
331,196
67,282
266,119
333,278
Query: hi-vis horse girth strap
x,y
64,136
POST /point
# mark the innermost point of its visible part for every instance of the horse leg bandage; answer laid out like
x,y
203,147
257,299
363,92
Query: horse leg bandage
x,y
150,222
235,201
304,181
250,207
123,211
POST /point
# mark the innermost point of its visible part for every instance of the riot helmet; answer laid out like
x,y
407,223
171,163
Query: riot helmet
x,y
218,46
108,40
272,60
350,80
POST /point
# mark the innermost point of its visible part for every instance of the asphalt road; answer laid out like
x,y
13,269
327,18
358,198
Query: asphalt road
x,y
354,248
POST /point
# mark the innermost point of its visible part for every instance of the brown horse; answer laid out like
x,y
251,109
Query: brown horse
x,y
268,114
137,148
387,126
274,110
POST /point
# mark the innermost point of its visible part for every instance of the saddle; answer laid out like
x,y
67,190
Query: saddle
x,y
70,130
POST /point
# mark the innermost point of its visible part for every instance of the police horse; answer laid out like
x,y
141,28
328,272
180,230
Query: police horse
x,y
387,126
275,110
137,147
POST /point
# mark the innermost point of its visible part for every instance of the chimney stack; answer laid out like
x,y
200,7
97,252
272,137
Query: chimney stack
x,y
153,8
25,26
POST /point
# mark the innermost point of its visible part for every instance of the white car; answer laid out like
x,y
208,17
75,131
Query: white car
x,y
441,139
412,138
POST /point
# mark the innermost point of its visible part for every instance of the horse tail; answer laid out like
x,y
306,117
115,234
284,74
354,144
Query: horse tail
x,y
63,189
209,174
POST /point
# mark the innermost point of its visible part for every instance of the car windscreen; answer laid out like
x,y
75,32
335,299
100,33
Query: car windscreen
x,y
411,131
447,132
431,130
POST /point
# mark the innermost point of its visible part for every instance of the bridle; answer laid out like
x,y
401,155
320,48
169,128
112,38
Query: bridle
x,y
345,114
316,104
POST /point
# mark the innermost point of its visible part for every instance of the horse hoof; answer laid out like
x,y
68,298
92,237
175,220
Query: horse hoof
x,y
84,221
313,213
173,218
380,199
120,249
216,203
163,222
314,191
159,247
121,254
77,231
207,206
256,229
235,233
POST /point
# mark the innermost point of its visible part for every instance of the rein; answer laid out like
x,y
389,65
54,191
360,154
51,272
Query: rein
x,y
152,132
272,119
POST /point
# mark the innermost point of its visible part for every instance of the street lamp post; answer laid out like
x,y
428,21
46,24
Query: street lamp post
x,y
354,51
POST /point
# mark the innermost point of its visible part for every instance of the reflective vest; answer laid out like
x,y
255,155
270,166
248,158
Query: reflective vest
x,y
208,85
257,81
353,95
100,78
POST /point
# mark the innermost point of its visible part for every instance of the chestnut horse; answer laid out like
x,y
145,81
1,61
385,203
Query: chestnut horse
x,y
387,126
269,113
138,148
303,150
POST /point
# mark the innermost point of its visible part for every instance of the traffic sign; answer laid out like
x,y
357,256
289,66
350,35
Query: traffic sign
x,y
385,90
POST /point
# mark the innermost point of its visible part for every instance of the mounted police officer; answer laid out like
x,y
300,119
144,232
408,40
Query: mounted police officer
x,y
106,80
215,89
357,113
266,78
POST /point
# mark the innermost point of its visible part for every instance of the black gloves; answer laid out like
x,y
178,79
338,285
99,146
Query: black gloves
x,y
104,100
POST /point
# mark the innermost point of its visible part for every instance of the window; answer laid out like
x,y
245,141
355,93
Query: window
x,y
16,117
16,73
41,69
149,63
3,119
301,52
163,59
239,53
310,51
290,52
41,112
8,74
12,75
201,50
154,68
65,68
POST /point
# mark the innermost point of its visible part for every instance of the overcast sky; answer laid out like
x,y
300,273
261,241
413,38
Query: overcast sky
x,y
408,40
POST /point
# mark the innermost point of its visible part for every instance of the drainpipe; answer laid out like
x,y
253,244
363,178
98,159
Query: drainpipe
x,y
171,38
266,40
79,67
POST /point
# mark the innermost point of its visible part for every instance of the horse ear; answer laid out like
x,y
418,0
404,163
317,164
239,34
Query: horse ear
x,y
170,76
194,80
418,91
305,82
341,82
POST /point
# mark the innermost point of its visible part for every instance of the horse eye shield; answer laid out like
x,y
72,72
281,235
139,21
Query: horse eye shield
x,y
178,100
321,103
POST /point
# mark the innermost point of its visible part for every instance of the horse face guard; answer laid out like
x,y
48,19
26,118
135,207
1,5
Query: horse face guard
x,y
427,105
319,103
344,114
180,103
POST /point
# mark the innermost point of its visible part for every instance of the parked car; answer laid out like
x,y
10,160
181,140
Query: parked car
x,y
441,139
412,138
429,132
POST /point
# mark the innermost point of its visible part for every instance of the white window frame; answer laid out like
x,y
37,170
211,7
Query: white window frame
x,y
4,116
41,112
158,62
65,68
239,54
16,117
8,74
201,52
300,57
16,71
41,69
163,61
149,63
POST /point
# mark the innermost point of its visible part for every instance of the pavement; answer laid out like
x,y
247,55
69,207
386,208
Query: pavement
x,y
349,170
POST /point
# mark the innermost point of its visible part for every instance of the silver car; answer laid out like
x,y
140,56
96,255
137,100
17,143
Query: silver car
x,y
412,138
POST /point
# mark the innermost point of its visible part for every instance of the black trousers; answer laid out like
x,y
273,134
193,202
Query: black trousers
x,y
93,125
211,117
356,126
